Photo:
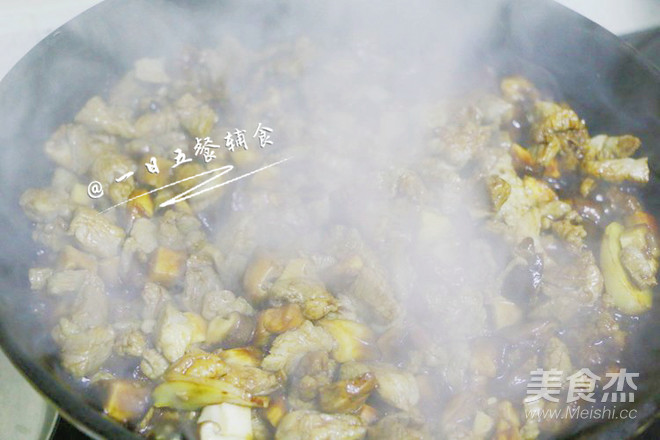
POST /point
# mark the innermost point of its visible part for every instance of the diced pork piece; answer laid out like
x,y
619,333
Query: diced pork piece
x,y
315,370
53,235
109,166
153,364
493,109
641,268
222,303
619,170
151,70
353,341
371,289
90,307
197,118
95,233
399,426
458,144
252,379
639,255
44,205
150,125
310,294
66,281
155,297
604,147
580,279
346,395
200,279
518,89
351,370
144,232
569,231
99,116
556,356
83,351
562,129
176,331
74,148
131,343
178,230
39,277
620,289
508,422
290,346
312,425
72,259
396,387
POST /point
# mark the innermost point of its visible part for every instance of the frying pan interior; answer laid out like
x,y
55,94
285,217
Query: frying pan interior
x,y
599,76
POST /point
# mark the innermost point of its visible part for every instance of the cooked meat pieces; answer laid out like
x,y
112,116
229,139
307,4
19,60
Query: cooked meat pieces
x,y
312,425
288,347
360,294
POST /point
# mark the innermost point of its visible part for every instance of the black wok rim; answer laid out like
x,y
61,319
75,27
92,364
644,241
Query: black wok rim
x,y
95,424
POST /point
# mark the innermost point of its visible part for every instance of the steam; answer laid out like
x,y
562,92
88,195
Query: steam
x,y
370,86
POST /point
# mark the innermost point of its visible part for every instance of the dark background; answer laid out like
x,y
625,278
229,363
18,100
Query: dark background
x,y
648,43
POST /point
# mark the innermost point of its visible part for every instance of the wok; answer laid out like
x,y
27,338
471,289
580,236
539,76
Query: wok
x,y
602,78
